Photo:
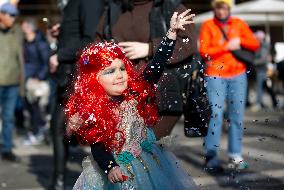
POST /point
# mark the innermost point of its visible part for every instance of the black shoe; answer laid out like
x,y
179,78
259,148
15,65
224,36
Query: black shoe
x,y
10,156
213,165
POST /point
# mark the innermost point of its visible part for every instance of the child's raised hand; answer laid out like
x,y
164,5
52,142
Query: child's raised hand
x,y
116,175
178,22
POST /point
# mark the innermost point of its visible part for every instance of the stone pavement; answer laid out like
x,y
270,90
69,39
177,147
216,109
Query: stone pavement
x,y
263,148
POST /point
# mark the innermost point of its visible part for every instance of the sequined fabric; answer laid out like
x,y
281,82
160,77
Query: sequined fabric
x,y
133,127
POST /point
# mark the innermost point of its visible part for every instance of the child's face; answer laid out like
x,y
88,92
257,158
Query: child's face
x,y
114,78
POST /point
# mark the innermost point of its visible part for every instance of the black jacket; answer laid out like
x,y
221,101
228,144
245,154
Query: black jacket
x,y
78,28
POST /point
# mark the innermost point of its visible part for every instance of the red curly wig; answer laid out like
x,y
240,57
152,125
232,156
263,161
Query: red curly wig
x,y
91,102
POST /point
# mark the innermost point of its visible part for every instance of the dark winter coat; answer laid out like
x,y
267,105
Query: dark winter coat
x,y
78,28
36,54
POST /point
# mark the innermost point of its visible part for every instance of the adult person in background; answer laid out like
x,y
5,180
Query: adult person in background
x,y
138,28
280,71
36,56
261,66
78,27
11,75
226,81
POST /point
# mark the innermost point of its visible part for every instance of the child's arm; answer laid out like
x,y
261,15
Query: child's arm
x,y
104,158
107,163
154,70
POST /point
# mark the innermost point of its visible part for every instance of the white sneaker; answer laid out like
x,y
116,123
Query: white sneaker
x,y
33,140
237,163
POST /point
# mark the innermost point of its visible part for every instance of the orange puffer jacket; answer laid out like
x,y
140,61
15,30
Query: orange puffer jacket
x,y
220,61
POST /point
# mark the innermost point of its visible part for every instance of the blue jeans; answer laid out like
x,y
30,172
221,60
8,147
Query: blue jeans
x,y
233,91
8,99
260,79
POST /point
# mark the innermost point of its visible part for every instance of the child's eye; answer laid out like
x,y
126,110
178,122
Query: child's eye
x,y
122,68
109,71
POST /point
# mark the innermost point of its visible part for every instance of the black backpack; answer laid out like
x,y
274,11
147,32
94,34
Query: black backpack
x,y
197,111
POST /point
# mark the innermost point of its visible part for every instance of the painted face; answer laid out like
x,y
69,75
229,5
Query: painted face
x,y
114,78
222,11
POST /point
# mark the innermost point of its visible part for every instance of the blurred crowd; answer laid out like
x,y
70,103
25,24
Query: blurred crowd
x,y
38,65
24,85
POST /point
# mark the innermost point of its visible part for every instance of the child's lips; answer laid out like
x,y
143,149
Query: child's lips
x,y
119,83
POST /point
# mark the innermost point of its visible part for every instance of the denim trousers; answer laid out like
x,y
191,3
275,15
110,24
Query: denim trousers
x,y
260,79
233,92
8,99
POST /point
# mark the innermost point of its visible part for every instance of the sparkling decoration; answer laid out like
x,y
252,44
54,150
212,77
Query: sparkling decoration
x,y
93,105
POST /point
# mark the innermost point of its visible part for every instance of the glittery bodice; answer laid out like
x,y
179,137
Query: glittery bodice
x,y
133,127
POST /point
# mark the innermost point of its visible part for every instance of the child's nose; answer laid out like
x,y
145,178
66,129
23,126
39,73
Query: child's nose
x,y
119,74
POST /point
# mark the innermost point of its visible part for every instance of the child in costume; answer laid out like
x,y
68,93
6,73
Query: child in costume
x,y
113,109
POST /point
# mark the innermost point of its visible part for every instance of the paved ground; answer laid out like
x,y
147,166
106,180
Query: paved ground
x,y
263,148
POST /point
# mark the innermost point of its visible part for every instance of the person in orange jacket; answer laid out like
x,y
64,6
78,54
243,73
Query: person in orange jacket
x,y
226,81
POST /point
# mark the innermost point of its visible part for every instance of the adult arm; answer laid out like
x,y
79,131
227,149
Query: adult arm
x,y
90,12
90,16
261,57
247,38
43,49
20,55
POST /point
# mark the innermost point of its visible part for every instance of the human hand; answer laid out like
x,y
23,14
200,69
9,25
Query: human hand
x,y
53,63
116,175
135,50
234,44
178,22
75,122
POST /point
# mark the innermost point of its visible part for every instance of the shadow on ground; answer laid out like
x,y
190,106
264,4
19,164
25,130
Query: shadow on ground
x,y
42,167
